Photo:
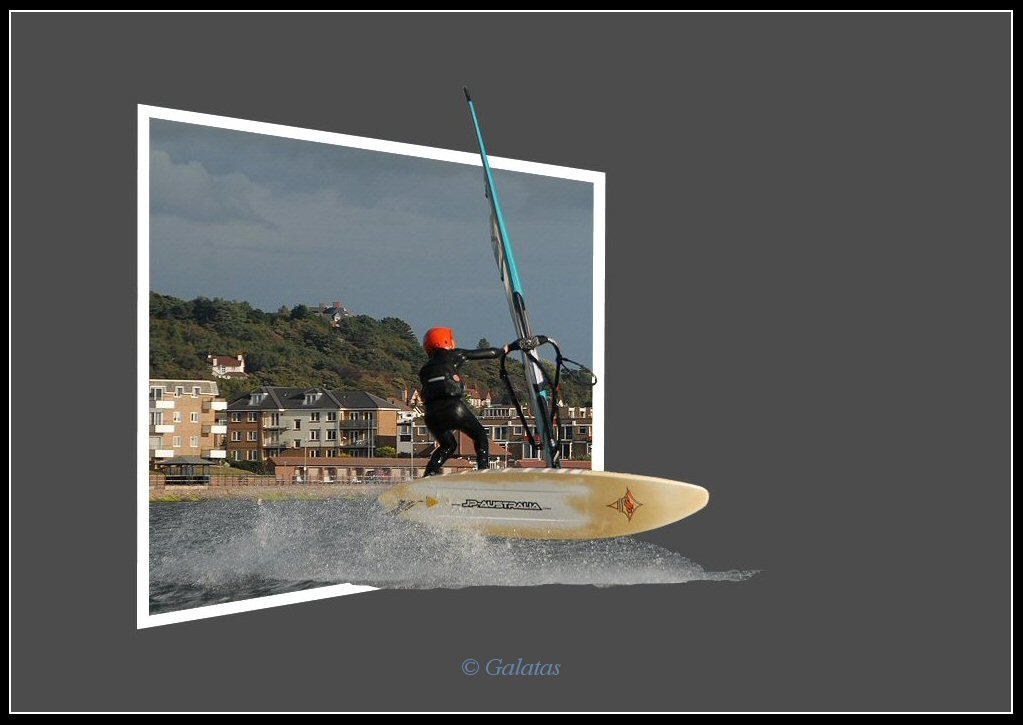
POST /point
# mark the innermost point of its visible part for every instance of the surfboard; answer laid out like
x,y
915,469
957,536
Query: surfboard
x,y
545,503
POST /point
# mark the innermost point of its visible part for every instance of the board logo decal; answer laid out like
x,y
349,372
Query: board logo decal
x,y
627,504
403,505
472,503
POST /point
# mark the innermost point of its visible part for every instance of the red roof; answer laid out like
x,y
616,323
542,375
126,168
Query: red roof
x,y
543,464
226,360
467,448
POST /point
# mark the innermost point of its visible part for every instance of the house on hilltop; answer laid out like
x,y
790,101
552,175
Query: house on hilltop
x,y
477,398
227,366
335,313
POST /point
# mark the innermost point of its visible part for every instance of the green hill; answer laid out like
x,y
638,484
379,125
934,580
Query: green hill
x,y
297,348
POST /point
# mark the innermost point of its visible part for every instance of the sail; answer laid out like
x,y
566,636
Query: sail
x,y
539,396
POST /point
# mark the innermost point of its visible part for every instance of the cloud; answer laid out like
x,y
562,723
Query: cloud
x,y
391,235
189,191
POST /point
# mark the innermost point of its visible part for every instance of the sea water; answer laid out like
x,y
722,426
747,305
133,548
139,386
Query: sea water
x,y
214,551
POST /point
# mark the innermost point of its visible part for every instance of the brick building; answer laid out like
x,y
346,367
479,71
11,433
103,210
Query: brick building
x,y
185,419
322,423
575,432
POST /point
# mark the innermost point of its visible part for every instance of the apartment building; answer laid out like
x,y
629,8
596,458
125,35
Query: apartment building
x,y
323,423
185,419
575,431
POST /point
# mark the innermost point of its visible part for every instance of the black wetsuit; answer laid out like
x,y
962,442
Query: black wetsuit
x,y
446,411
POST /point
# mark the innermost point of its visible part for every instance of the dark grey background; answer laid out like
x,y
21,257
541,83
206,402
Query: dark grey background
x,y
807,311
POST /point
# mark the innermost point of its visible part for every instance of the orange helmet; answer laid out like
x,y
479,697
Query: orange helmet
x,y
442,338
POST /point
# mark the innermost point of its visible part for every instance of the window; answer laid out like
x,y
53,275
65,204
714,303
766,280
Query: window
x,y
314,435
253,417
253,435
177,441
236,417
314,453
254,455
256,398
179,391
196,391
236,455
566,431
566,450
331,417
194,417
156,393
421,430
156,419
193,441
236,435
275,420
331,435
297,424
311,398
518,430
314,417
296,443
584,430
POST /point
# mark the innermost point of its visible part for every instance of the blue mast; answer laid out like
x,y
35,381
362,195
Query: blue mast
x,y
539,396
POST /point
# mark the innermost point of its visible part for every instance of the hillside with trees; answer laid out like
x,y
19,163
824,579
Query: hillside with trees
x,y
296,347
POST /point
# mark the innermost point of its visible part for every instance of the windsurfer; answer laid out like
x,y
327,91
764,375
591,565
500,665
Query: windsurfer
x,y
444,396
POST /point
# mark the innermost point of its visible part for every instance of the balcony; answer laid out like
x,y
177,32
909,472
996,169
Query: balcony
x,y
209,405
508,413
214,453
353,424
161,404
274,426
215,429
161,453
162,428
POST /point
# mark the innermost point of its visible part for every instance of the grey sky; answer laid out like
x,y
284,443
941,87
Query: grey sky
x,y
276,221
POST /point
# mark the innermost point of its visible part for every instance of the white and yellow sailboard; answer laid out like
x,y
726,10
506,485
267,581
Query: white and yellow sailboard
x,y
546,503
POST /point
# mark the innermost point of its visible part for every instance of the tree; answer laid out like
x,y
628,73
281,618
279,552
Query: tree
x,y
387,451
261,468
483,343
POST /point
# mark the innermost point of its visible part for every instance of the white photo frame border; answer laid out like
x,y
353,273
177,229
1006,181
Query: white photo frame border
x,y
147,113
